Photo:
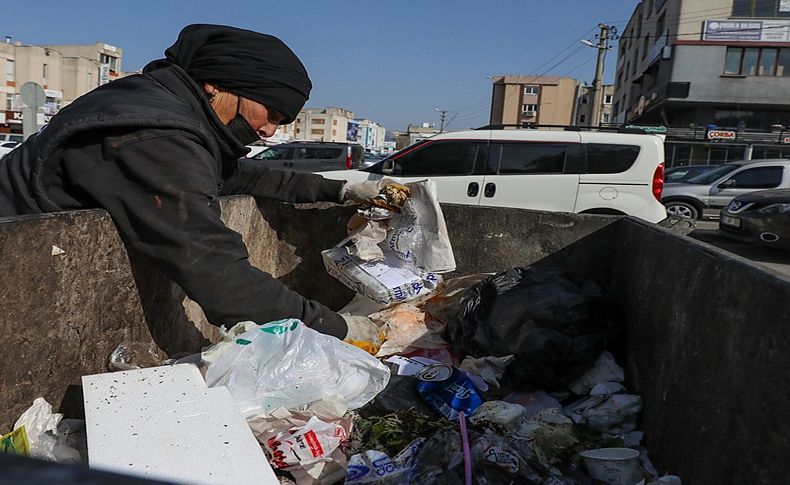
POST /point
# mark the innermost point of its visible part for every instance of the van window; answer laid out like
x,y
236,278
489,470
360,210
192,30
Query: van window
x,y
438,159
317,153
275,153
522,158
610,158
758,178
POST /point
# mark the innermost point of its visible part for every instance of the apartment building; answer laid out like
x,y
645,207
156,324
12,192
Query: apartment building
x,y
65,72
325,124
708,66
584,106
371,135
530,100
413,134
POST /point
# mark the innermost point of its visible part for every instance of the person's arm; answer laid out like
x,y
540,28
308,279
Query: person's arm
x,y
160,189
281,185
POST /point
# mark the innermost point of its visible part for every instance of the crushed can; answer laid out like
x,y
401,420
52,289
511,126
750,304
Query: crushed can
x,y
448,390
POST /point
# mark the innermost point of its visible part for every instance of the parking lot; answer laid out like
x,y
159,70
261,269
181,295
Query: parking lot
x,y
775,259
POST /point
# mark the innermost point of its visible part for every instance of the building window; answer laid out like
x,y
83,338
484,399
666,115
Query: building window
x,y
334,122
646,46
112,61
529,108
760,8
9,71
607,99
315,131
9,101
606,118
660,25
585,99
318,121
531,90
44,73
582,118
753,61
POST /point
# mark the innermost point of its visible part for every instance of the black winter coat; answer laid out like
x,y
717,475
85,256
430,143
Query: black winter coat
x,y
149,149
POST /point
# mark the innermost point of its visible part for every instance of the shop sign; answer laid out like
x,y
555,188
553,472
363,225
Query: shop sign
x,y
724,135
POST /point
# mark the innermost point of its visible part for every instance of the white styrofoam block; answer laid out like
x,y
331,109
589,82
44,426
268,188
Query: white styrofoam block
x,y
164,423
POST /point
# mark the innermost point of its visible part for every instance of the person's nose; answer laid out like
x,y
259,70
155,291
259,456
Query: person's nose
x,y
267,130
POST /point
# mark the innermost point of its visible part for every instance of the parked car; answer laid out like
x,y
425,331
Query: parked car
x,y
568,171
7,146
371,159
707,194
256,148
310,156
761,217
686,172
11,137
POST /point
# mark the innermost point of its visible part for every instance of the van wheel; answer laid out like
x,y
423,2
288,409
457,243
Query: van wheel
x,y
682,209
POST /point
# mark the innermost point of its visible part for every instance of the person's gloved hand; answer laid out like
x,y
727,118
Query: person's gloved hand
x,y
363,333
363,191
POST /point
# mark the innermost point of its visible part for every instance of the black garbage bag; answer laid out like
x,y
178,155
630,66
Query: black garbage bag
x,y
554,327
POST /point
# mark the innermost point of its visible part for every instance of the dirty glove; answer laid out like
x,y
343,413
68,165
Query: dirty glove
x,y
363,333
363,191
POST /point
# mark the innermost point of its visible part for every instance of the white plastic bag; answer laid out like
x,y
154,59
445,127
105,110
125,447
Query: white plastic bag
x,y
50,438
286,364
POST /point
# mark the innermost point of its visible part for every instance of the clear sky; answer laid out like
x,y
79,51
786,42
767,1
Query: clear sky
x,y
391,62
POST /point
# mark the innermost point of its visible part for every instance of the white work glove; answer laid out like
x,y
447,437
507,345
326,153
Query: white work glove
x,y
363,333
362,191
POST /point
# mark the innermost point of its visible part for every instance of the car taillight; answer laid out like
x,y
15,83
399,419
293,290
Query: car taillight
x,y
349,160
658,181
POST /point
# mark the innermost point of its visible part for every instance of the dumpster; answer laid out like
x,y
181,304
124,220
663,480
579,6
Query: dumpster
x,y
705,334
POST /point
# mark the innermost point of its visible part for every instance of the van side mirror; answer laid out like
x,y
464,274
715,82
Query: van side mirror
x,y
727,184
388,167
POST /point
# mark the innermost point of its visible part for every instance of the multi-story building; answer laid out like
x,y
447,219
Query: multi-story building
x,y
717,71
324,124
371,135
64,72
413,134
584,105
533,100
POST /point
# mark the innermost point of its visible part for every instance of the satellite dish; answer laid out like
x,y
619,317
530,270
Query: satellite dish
x,y
32,95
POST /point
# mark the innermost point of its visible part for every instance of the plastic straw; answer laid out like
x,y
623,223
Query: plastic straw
x,y
467,452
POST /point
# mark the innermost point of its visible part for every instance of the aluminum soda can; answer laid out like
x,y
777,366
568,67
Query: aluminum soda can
x,y
448,390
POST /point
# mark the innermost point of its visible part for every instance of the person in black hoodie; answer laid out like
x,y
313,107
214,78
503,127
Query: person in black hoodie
x,y
156,150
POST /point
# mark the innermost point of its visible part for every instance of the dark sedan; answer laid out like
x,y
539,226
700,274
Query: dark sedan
x,y
762,217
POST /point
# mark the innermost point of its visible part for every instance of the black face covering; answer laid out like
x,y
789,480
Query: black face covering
x,y
241,128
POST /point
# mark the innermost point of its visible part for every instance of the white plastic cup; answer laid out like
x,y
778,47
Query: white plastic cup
x,y
615,466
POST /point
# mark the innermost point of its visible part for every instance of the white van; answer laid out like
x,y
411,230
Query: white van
x,y
570,171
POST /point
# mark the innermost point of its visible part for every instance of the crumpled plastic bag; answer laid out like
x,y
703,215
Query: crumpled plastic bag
x,y
315,441
211,354
605,369
491,369
49,438
135,355
408,328
374,467
286,364
555,328
615,414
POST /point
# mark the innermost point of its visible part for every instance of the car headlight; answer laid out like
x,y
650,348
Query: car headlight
x,y
775,209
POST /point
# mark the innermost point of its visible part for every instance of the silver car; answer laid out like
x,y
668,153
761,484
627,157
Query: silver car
x,y
710,192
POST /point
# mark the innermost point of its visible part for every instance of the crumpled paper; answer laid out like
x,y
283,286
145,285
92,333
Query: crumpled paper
x,y
605,369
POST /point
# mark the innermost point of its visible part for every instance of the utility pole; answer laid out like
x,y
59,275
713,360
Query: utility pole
x,y
442,116
603,47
